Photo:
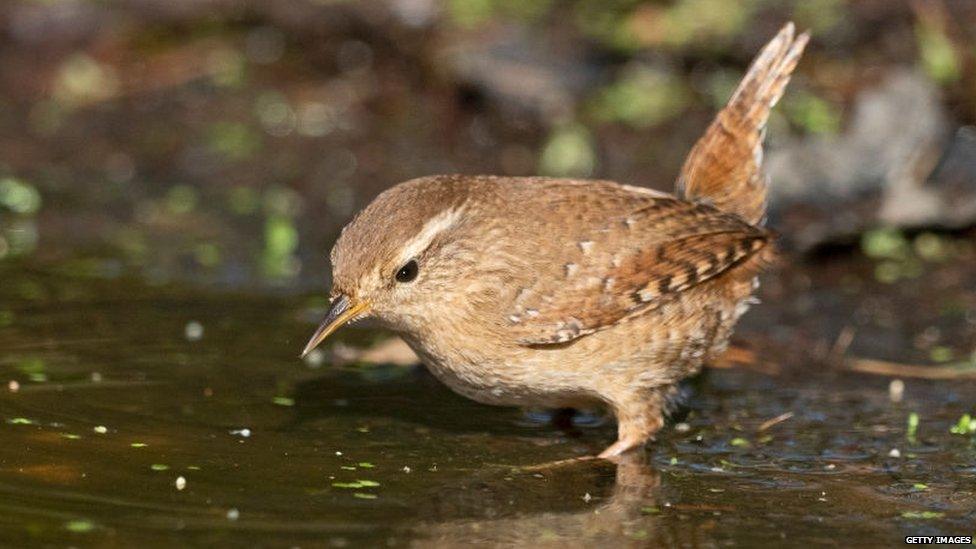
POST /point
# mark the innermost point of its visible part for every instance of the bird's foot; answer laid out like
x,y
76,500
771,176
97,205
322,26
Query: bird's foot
x,y
619,448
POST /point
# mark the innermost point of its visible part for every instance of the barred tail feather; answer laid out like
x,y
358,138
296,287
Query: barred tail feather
x,y
725,166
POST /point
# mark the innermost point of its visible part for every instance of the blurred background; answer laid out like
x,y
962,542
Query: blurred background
x,y
227,141
173,174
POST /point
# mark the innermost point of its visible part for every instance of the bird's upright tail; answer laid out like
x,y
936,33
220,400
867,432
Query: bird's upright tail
x,y
725,166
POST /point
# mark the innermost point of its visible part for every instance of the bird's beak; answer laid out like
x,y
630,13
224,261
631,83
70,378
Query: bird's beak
x,y
343,309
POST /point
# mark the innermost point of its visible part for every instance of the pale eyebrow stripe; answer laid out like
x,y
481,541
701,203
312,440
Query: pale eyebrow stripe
x,y
435,226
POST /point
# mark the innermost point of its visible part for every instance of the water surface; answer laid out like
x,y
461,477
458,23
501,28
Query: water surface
x,y
120,388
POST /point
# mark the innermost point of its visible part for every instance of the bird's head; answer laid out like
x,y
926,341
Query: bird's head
x,y
399,258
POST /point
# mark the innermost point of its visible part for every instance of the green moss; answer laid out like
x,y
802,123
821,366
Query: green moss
x,y
181,199
813,113
911,430
820,16
568,152
280,244
937,54
642,98
243,200
740,442
884,243
932,247
922,515
283,401
941,353
234,140
356,484
79,526
19,196
965,426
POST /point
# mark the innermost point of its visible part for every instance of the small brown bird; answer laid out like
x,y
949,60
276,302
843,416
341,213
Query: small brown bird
x,y
572,293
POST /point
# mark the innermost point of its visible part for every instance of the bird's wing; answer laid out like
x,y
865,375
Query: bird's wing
x,y
725,166
629,266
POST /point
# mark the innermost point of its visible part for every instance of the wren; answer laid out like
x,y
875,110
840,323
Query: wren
x,y
567,293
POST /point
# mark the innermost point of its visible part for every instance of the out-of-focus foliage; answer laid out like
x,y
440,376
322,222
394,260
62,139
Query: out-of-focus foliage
x,y
899,257
642,97
470,13
18,234
170,132
813,113
568,152
937,52
81,79
19,196
628,24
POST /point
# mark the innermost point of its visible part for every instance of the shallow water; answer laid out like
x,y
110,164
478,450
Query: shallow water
x,y
123,387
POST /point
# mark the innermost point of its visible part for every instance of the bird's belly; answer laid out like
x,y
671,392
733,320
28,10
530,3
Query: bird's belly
x,y
653,350
506,380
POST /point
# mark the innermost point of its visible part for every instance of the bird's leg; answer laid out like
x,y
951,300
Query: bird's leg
x,y
638,419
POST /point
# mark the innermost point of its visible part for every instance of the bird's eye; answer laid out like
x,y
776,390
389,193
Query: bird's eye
x,y
408,272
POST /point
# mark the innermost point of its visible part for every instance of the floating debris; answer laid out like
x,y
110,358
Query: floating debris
x,y
100,429
180,483
315,358
923,515
362,495
233,514
941,353
245,432
912,429
775,421
965,426
159,467
13,386
283,401
895,453
362,483
193,331
896,390
20,421
79,526
138,445
740,442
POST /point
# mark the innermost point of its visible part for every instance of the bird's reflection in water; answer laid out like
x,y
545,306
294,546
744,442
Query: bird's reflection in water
x,y
621,514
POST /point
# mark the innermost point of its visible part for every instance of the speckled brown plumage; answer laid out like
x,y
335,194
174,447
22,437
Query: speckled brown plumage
x,y
563,293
